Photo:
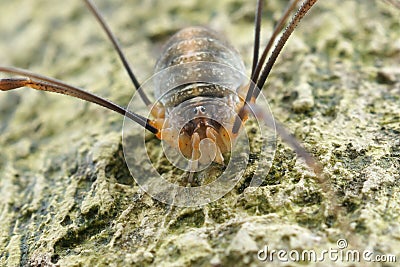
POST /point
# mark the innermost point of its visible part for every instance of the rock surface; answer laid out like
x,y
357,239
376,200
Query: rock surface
x,y
68,199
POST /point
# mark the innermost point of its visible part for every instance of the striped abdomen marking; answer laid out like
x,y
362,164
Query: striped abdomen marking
x,y
197,44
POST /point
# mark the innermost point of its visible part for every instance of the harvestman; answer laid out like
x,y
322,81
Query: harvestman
x,y
192,45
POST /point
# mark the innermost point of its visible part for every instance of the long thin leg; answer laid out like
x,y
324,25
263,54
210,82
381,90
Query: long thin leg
x,y
257,68
117,47
278,28
270,122
250,98
305,7
43,83
257,29
321,178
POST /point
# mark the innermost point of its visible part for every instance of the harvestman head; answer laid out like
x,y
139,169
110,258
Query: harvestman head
x,y
259,74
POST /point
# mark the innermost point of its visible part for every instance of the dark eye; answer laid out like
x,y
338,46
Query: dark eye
x,y
199,109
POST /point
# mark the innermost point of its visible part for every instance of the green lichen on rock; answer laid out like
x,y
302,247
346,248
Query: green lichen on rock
x,y
68,199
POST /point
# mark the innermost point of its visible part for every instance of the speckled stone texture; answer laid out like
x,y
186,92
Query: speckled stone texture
x,y
68,199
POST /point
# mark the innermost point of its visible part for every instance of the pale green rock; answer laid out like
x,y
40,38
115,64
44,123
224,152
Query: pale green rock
x,y
68,199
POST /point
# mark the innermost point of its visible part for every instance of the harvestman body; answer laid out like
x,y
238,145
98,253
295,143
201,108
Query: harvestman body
x,y
194,45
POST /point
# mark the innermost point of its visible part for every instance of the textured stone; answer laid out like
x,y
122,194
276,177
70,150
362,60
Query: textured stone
x,y
67,197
